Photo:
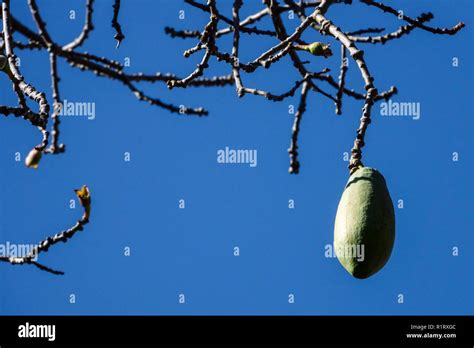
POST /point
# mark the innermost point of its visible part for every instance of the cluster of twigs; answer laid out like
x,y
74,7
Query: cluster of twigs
x,y
287,42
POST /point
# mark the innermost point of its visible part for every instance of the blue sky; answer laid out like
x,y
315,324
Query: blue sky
x,y
190,251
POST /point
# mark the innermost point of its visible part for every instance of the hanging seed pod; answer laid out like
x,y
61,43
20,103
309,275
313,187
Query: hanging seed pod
x,y
33,158
364,230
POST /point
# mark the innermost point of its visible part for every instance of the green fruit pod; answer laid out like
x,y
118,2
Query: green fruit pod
x,y
364,230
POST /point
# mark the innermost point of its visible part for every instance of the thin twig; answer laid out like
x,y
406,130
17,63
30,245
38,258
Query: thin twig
x,y
44,245
57,105
342,78
116,25
88,27
293,150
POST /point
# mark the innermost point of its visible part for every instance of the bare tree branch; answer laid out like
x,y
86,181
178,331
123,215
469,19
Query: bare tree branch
x,y
285,43
63,236
414,22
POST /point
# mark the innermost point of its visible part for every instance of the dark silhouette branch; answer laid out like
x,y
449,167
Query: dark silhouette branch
x,y
342,79
116,25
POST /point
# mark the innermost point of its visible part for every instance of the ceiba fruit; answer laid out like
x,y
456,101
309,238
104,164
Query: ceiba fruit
x,y
364,231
